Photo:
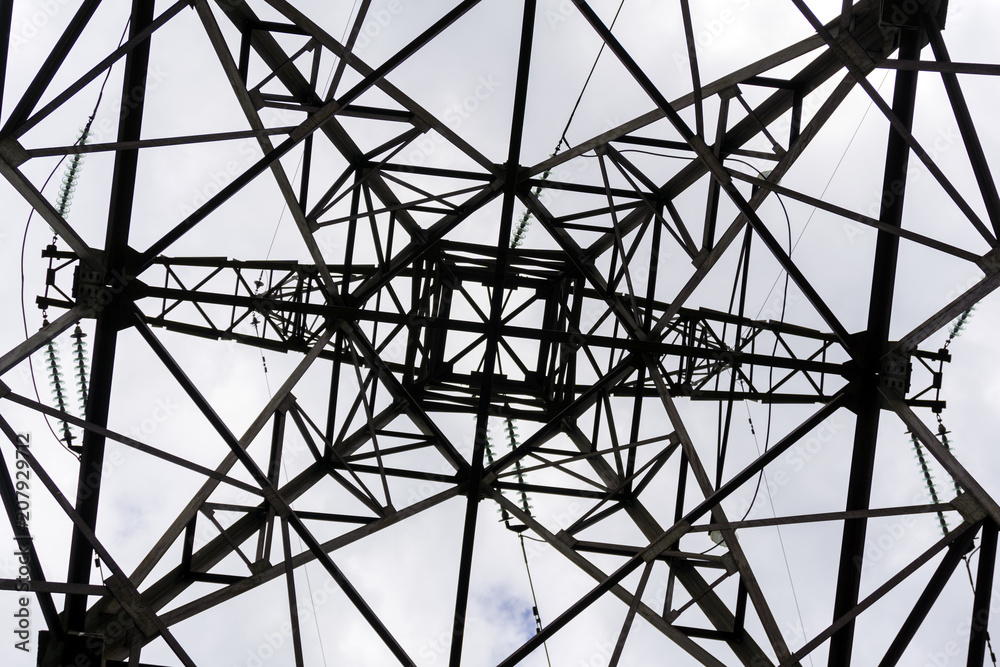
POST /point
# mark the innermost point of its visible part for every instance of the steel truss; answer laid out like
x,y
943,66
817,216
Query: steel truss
x,y
596,335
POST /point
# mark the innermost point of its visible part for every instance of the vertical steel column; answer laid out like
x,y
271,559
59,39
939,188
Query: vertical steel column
x,y
6,14
873,346
108,318
51,65
979,633
714,190
512,175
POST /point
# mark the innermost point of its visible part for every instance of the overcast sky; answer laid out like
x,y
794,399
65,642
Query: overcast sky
x,y
407,573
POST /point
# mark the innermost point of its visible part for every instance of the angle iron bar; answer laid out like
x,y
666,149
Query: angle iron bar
x,y
80,148
348,47
160,549
48,212
809,78
897,124
630,615
943,455
616,134
307,127
54,60
570,457
808,133
369,416
764,613
606,583
129,442
973,146
45,588
676,613
123,183
490,357
870,350
209,600
710,604
942,66
82,525
371,172
751,114
174,583
40,338
6,18
274,498
696,91
850,615
957,550
592,518
293,607
858,217
827,516
126,48
329,42
287,64
361,492
979,633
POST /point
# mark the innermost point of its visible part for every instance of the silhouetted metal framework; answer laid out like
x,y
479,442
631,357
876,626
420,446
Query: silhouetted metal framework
x,y
581,339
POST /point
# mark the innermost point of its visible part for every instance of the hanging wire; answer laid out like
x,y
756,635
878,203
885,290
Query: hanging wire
x,y
569,121
521,230
517,237
826,187
510,428
259,285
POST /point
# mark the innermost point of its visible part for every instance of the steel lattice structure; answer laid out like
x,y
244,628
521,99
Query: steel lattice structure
x,y
422,314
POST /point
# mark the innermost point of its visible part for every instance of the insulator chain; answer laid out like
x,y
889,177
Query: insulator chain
x,y
504,514
956,329
80,366
56,383
65,198
928,480
958,326
521,230
511,429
